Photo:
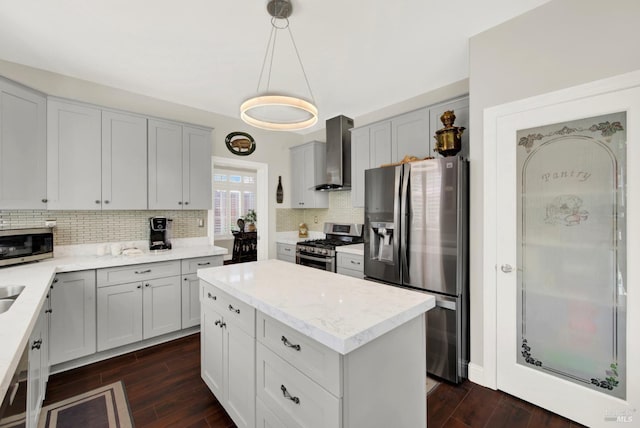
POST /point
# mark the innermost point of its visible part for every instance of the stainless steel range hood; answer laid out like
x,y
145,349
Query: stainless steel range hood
x,y
338,154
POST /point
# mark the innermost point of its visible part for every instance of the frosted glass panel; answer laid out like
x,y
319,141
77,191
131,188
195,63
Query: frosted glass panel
x,y
571,251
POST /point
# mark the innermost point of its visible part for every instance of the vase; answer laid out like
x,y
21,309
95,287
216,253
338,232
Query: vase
x,y
279,192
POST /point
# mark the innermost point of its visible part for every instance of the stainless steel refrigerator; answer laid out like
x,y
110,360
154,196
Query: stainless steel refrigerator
x,y
416,235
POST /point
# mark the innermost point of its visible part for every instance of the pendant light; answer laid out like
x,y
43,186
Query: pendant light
x,y
279,112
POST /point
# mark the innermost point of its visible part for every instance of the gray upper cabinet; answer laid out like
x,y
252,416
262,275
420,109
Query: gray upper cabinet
x,y
124,161
23,148
96,159
179,166
74,153
196,168
308,169
409,134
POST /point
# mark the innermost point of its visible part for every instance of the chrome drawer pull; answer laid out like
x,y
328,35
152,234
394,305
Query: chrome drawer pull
x,y
138,272
286,394
289,344
204,264
232,309
354,262
211,296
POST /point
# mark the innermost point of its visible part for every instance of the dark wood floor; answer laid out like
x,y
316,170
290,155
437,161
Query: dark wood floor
x,y
164,389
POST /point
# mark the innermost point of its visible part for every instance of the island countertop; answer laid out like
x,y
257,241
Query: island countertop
x,y
338,311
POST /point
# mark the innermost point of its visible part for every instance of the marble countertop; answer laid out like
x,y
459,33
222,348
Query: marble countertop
x,y
357,249
338,311
18,322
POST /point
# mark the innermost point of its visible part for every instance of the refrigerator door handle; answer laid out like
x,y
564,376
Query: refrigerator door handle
x,y
446,304
404,223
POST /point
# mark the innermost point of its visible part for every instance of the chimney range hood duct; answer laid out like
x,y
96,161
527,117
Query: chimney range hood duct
x,y
338,154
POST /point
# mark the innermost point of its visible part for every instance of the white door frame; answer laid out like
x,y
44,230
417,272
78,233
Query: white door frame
x,y
487,374
262,200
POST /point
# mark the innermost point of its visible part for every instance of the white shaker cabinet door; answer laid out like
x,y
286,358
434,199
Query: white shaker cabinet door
x,y
73,316
161,306
190,300
196,168
410,135
124,161
23,148
119,315
165,165
73,156
240,375
211,351
380,144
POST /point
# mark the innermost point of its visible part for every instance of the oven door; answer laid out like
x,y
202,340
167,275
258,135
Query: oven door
x,y
314,261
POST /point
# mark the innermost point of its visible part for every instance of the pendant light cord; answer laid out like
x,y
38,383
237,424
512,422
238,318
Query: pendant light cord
x,y
271,47
295,47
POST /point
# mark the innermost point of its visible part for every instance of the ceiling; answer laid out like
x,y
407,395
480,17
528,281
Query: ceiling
x,y
359,55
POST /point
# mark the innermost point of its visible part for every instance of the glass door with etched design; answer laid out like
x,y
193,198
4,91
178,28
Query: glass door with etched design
x,y
571,251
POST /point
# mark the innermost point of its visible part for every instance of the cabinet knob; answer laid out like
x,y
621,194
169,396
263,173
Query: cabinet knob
x,y
223,324
147,284
232,309
186,203
211,296
138,286
217,322
48,311
179,202
45,200
97,201
106,201
186,279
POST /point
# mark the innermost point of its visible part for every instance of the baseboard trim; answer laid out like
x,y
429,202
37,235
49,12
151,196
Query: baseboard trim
x,y
476,375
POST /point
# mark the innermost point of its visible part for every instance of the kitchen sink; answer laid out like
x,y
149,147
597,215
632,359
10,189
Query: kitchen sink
x,y
5,304
10,291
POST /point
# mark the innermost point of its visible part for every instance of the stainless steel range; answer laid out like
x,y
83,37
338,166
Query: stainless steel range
x,y
321,253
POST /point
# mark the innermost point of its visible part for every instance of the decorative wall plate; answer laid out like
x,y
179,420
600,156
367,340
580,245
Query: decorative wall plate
x,y
240,143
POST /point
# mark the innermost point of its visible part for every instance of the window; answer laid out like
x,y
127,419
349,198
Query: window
x,y
234,193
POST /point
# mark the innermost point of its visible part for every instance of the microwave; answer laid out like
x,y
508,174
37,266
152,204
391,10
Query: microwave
x,y
25,245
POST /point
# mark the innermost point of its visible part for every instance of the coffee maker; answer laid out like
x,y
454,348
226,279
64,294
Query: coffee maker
x,y
159,233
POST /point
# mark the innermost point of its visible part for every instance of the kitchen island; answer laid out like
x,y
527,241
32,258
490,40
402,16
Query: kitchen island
x,y
287,345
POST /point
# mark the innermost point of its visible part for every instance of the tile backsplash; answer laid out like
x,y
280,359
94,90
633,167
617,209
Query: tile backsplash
x,y
340,210
86,227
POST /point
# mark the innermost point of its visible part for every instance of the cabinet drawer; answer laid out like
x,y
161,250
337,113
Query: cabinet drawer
x,y
350,261
232,309
310,357
286,250
350,272
132,273
192,265
294,398
211,296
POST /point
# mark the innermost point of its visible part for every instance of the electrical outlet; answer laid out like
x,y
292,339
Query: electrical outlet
x,y
200,222
315,219
49,223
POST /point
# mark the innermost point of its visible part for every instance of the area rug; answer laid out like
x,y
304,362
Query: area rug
x,y
431,384
104,407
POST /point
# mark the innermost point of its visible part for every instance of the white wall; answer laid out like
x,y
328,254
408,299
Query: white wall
x,y
558,45
271,147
